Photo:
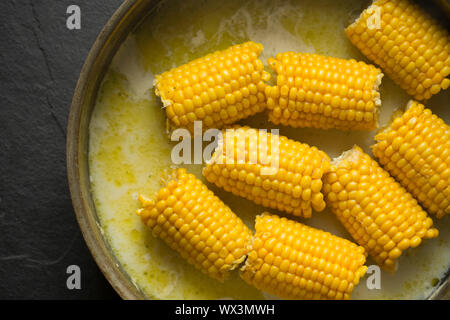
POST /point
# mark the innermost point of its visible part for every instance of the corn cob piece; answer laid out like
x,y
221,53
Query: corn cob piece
x,y
217,89
409,45
415,149
294,261
197,224
376,210
323,92
290,181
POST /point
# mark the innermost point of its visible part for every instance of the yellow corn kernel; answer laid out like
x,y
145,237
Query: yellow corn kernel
x,y
415,149
379,214
408,44
197,224
294,261
217,89
270,170
323,92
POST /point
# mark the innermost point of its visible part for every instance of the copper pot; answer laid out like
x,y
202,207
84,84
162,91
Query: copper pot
x,y
124,20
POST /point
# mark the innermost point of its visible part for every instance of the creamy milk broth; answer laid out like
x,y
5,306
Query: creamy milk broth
x,y
130,150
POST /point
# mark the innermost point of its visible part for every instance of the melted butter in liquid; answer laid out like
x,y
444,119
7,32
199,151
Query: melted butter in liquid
x,y
130,150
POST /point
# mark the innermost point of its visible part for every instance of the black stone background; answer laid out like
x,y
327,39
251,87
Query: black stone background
x,y
39,65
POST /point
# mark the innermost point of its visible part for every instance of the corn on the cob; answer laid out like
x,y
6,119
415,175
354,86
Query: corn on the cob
x,y
415,149
197,224
376,210
290,181
294,261
218,89
409,45
323,92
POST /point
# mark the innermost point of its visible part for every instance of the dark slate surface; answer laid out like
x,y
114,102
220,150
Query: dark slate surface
x,y
39,66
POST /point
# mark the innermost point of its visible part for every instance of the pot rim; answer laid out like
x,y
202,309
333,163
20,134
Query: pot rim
x,y
86,217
